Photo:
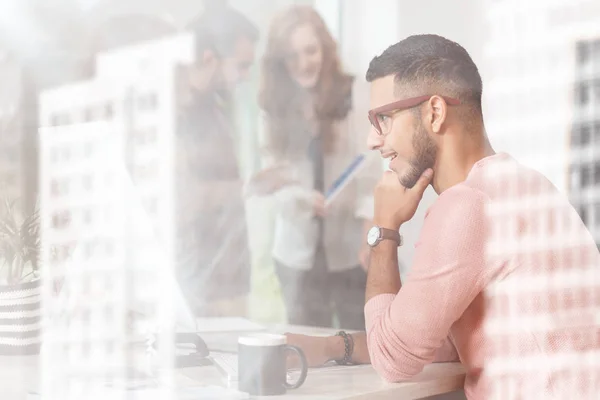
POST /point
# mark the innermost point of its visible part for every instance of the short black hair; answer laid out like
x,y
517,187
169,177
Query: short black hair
x,y
430,64
224,26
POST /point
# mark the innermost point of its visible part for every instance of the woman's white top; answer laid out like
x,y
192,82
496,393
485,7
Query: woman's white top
x,y
296,229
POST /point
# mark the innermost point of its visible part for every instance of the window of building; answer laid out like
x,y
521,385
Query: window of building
x,y
88,149
575,136
54,155
596,173
151,205
86,345
87,217
583,52
147,102
54,120
109,179
88,115
140,137
54,255
64,187
595,129
61,253
146,136
595,50
88,250
583,94
108,213
597,213
585,134
585,176
139,173
583,213
111,347
61,220
109,313
66,154
54,188
64,119
109,111
146,172
109,248
87,182
596,90
152,135
60,119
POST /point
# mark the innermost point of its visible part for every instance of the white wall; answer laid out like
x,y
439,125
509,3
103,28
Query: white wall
x,y
461,21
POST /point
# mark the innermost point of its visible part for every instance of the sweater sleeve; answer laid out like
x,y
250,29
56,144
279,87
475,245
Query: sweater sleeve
x,y
408,330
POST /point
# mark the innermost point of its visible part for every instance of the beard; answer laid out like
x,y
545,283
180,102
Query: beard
x,y
425,155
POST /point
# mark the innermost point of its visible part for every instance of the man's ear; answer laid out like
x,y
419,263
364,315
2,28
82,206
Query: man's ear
x,y
438,111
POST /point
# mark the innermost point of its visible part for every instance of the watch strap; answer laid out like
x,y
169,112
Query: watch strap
x,y
390,234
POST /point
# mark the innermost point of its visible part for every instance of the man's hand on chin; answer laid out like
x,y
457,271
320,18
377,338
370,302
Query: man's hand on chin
x,y
395,204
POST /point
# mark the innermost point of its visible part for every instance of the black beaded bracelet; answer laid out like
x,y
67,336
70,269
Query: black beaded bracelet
x,y
348,348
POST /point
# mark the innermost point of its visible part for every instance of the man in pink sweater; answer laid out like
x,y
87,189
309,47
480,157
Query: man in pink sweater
x,y
506,277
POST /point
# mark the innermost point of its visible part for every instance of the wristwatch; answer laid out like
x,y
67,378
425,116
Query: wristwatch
x,y
377,234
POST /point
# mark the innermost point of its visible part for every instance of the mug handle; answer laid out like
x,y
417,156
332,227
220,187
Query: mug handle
x,y
303,369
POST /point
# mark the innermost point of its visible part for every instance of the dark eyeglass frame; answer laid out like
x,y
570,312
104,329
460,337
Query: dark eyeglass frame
x,y
402,105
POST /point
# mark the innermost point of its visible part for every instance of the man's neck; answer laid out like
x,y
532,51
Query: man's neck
x,y
458,162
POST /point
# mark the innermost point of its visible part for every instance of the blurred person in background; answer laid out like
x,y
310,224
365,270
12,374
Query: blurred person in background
x,y
234,39
213,261
310,137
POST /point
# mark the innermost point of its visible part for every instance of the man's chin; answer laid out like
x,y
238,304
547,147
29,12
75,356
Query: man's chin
x,y
409,179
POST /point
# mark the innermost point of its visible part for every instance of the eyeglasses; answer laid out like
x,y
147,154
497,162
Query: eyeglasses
x,y
381,117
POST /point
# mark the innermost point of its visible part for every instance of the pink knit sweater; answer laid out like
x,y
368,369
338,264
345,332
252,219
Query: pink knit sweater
x,y
506,274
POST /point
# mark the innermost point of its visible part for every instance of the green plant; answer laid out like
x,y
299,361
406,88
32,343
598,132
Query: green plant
x,y
19,245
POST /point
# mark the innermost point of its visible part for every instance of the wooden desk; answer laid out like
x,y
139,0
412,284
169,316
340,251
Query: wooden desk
x,y
359,383
18,375
356,383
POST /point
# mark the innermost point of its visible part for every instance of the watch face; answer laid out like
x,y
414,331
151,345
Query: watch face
x,y
373,236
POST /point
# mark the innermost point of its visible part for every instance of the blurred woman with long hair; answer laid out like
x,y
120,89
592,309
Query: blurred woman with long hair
x,y
310,137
